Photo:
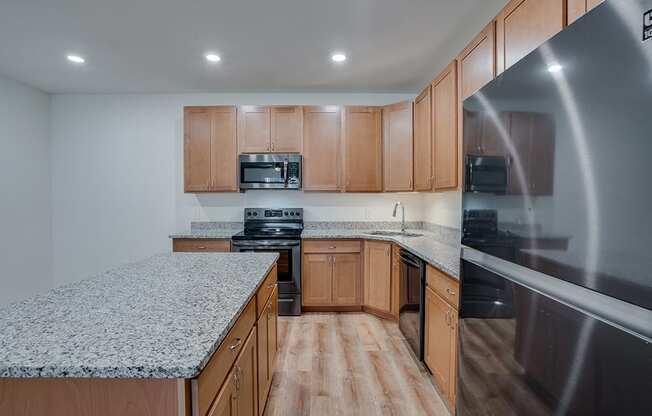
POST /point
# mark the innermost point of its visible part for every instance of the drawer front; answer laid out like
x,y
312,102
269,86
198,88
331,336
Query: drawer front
x,y
444,285
201,245
265,291
331,246
206,386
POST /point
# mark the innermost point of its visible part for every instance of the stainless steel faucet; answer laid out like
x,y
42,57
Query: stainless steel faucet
x,y
396,205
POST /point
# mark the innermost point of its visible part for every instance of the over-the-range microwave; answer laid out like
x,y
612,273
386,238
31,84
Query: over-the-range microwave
x,y
270,171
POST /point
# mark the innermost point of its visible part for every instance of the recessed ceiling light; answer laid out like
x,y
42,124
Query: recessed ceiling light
x,y
555,68
212,57
338,57
76,59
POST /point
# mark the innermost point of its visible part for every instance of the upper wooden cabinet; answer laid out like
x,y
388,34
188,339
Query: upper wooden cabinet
x,y
254,129
210,149
287,129
477,63
423,146
523,25
444,121
577,8
377,275
322,127
397,144
363,149
269,129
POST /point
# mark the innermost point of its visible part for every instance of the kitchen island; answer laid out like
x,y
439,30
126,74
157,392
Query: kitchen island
x,y
164,336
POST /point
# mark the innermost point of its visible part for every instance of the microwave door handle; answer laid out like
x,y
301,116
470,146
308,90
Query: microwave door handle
x,y
286,175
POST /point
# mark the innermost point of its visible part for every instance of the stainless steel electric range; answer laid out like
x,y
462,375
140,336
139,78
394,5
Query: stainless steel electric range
x,y
276,230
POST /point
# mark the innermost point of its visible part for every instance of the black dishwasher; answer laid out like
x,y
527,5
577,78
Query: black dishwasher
x,y
412,287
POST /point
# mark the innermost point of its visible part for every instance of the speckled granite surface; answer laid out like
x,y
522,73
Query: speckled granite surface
x,y
162,317
439,246
441,253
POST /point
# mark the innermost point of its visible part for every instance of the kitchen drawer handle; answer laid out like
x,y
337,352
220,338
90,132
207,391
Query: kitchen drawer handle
x,y
271,286
332,247
450,291
201,248
236,344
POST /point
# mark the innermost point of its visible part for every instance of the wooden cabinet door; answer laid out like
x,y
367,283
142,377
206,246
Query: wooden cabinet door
x,y
225,403
321,148
224,149
346,279
253,129
423,145
476,63
377,284
246,372
437,348
197,149
363,149
287,129
267,348
444,116
317,281
577,8
523,25
398,146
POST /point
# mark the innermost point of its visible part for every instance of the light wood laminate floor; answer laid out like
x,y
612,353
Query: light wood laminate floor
x,y
348,364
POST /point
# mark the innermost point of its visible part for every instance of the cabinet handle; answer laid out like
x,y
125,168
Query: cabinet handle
x,y
271,286
272,147
201,248
448,316
450,292
409,183
236,344
237,377
332,247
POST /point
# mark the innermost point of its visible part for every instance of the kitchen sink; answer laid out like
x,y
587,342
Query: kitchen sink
x,y
396,233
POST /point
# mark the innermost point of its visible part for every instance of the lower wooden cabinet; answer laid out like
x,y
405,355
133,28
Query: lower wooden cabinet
x,y
377,276
441,328
267,348
192,245
331,273
331,279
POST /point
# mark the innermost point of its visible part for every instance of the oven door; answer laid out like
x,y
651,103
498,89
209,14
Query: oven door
x,y
288,269
411,301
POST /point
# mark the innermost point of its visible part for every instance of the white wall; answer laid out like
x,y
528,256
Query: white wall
x,y
117,178
25,247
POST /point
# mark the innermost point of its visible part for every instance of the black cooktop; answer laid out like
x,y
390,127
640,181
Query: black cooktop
x,y
271,223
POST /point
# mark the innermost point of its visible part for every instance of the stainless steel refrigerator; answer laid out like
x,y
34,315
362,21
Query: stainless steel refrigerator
x,y
556,297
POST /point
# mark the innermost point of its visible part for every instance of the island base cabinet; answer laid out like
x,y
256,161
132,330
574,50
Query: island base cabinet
x,y
91,397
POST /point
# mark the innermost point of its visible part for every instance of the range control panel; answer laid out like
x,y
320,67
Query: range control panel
x,y
273,213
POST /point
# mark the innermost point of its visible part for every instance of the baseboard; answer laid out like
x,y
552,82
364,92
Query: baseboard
x,y
377,312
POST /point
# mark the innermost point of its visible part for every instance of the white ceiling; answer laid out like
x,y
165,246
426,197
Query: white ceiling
x,y
157,46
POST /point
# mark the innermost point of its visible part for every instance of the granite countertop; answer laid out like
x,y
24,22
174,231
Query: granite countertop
x,y
444,255
162,317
